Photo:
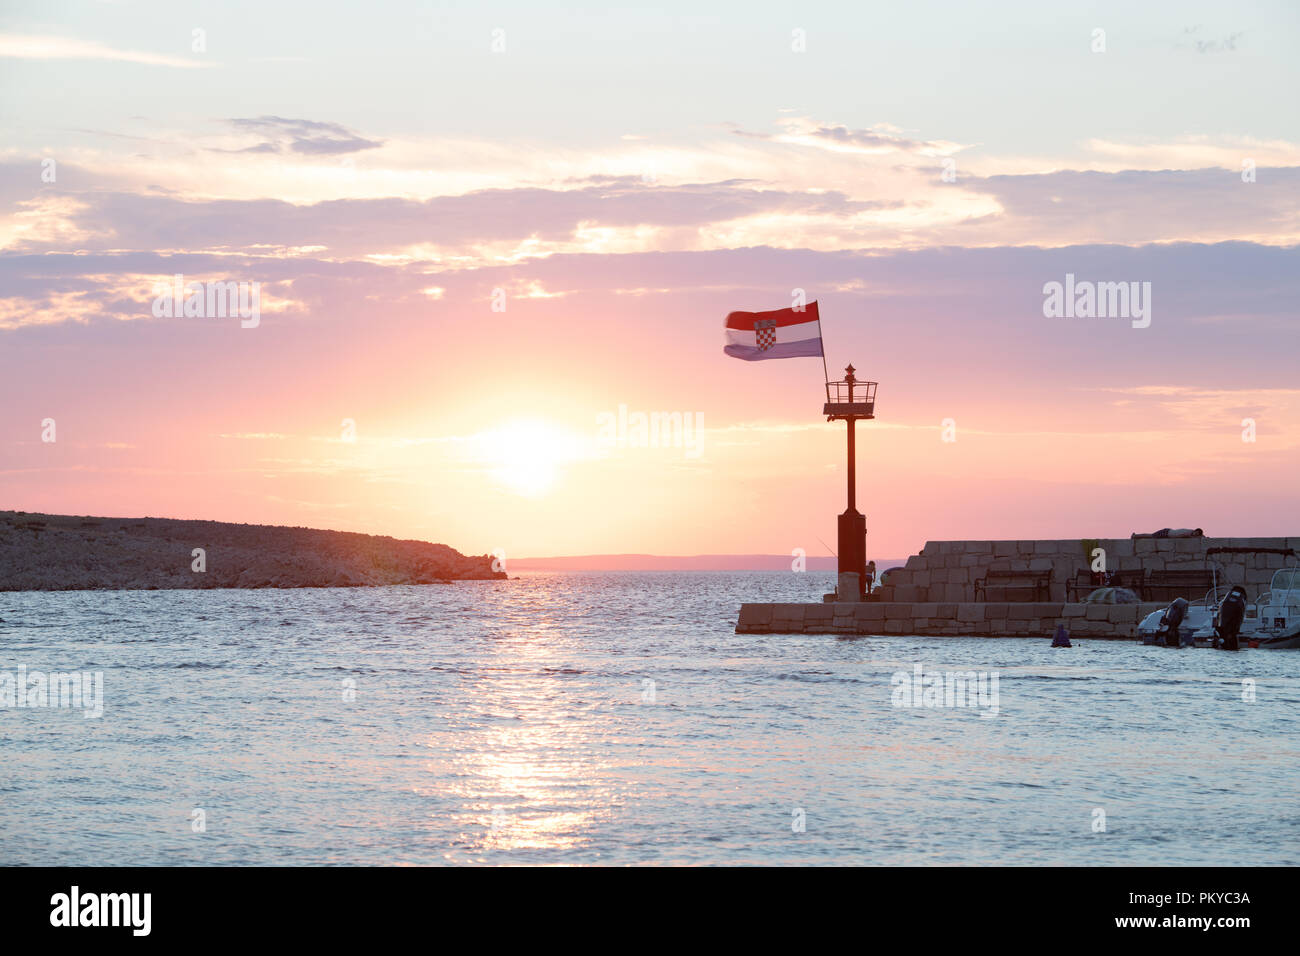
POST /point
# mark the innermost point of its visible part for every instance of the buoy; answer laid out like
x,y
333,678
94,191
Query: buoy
x,y
1062,637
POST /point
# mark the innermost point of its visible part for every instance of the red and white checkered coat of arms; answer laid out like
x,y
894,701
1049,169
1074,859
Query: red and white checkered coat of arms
x,y
765,334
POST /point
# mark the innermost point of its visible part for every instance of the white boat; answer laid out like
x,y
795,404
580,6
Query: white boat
x,y
1279,612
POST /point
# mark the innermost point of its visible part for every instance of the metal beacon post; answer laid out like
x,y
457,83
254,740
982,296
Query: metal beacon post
x,y
851,401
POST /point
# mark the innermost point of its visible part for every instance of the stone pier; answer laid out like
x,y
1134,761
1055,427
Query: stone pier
x,y
930,619
934,594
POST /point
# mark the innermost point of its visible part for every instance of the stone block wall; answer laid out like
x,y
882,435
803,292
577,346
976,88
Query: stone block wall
x,y
947,570
938,619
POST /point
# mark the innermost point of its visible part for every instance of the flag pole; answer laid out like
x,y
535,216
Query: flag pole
x,y
825,373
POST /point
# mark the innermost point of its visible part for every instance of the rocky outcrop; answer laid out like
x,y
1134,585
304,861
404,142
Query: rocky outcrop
x,y
63,552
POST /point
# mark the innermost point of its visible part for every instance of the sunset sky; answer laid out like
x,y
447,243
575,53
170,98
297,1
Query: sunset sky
x,y
477,230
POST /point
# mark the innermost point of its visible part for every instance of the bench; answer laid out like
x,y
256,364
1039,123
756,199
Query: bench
x,y
1085,582
1160,585
1039,582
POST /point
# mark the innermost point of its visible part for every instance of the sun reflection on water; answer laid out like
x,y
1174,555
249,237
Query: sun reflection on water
x,y
525,773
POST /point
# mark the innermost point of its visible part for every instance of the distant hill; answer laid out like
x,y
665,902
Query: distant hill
x,y
697,562
41,552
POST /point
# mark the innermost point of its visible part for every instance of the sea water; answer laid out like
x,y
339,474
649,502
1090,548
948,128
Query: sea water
x,y
616,718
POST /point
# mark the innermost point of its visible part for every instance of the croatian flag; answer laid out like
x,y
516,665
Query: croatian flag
x,y
784,333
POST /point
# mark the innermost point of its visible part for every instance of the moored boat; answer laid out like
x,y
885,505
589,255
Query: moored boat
x,y
1271,621
1279,612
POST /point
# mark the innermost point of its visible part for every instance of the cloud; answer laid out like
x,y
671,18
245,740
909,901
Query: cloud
x,y
872,141
1189,152
622,214
306,137
1213,305
881,138
68,48
485,225
1139,206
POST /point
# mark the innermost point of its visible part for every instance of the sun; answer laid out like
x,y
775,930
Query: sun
x,y
527,457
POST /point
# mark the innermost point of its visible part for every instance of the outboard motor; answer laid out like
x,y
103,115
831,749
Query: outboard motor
x,y
1231,613
1174,615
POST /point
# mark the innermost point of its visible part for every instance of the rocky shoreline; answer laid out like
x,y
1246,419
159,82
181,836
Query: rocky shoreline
x,y
40,552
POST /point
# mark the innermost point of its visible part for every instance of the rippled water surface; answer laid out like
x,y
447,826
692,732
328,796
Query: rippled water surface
x,y
616,718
